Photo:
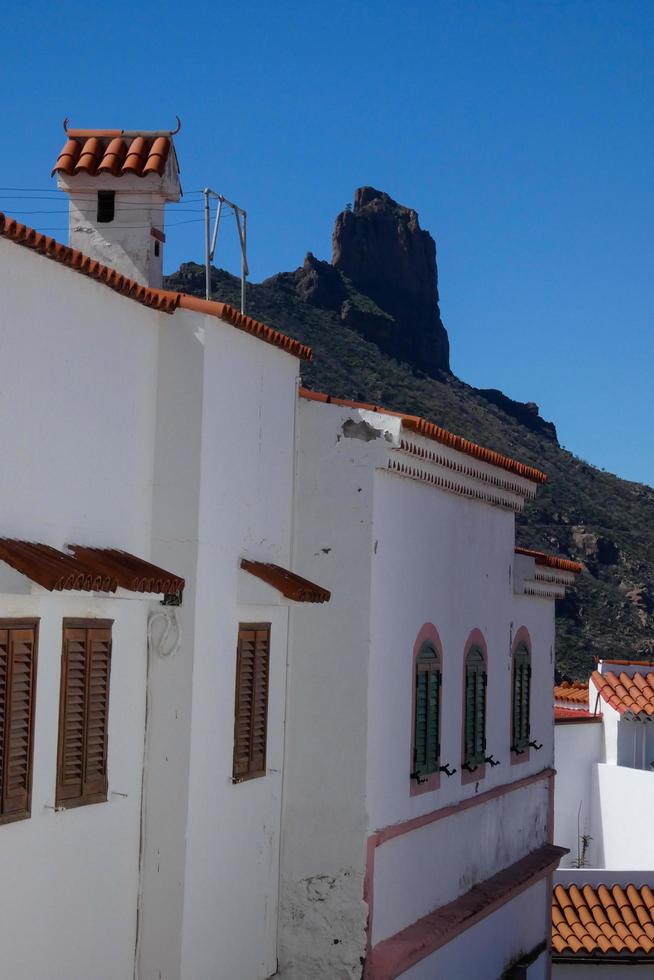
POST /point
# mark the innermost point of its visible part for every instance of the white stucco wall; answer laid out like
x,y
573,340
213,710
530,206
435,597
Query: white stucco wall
x,y
397,554
488,948
578,748
437,863
126,242
626,799
445,560
77,421
223,491
78,382
246,494
323,917
600,971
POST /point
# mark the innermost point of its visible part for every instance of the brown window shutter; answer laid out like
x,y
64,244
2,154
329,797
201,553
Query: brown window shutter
x,y
251,715
17,689
83,714
98,670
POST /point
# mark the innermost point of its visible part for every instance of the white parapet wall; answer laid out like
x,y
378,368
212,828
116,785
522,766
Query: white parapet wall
x,y
578,748
489,948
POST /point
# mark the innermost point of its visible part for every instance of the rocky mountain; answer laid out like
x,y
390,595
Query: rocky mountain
x,y
372,318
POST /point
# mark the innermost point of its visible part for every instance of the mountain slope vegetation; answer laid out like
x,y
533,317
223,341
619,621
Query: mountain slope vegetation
x,y
582,512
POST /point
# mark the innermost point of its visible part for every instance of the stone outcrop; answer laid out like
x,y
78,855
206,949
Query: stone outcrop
x,y
380,247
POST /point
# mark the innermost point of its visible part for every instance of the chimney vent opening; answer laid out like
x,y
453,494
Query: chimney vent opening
x,y
106,206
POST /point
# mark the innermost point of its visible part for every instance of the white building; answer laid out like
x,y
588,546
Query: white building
x,y
162,773
430,863
141,420
604,750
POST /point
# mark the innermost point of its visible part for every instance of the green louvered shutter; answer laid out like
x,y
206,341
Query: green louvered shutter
x,y
521,698
470,715
475,719
426,751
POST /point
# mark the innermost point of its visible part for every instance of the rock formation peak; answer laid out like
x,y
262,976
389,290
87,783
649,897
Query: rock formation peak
x,y
380,247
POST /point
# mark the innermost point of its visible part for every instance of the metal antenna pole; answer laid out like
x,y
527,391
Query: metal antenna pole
x,y
207,244
215,228
210,240
244,265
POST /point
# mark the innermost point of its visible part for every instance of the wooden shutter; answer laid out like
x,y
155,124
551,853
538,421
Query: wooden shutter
x,y
251,714
17,691
427,712
521,697
475,708
84,714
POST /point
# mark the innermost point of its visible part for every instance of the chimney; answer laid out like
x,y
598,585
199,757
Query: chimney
x,y
118,184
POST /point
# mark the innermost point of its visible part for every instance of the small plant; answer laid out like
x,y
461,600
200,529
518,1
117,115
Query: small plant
x,y
582,851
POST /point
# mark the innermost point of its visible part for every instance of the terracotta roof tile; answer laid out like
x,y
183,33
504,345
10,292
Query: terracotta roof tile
x,y
575,693
564,715
602,921
128,571
86,569
632,696
94,152
242,322
288,583
432,431
52,569
551,561
158,299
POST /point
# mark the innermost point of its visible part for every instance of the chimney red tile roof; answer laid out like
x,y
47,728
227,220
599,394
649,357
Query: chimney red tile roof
x,y
432,431
112,151
602,922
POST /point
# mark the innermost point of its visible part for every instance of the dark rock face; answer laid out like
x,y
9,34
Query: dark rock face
x,y
527,413
380,247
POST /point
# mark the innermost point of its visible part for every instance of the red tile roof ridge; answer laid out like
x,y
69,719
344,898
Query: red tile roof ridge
x,y
551,561
148,133
435,432
158,299
242,322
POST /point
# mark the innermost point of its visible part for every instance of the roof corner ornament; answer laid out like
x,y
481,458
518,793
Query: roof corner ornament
x,y
66,125
174,132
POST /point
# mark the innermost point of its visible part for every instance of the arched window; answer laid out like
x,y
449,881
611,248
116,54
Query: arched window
x,y
427,710
475,708
521,693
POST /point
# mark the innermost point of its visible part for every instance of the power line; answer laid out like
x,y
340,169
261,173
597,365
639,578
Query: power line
x,y
172,224
57,190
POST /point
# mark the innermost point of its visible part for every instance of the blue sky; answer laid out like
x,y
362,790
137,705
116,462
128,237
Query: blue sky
x,y
520,130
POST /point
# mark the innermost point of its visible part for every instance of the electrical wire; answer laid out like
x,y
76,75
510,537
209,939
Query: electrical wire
x,y
56,190
171,224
